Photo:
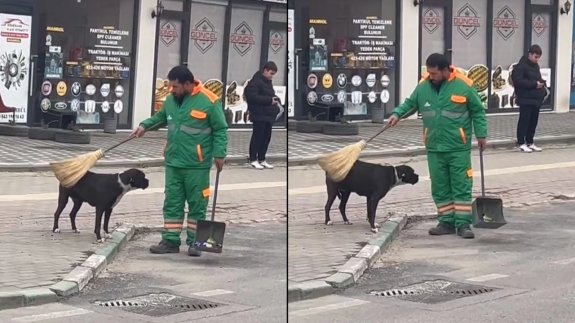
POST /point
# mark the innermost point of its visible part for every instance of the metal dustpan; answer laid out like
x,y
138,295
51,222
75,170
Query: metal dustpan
x,y
487,211
210,234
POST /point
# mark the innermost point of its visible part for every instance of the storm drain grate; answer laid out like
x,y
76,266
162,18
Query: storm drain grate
x,y
435,291
159,304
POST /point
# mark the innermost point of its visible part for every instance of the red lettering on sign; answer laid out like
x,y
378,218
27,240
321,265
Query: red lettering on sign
x,y
204,35
466,22
505,23
242,39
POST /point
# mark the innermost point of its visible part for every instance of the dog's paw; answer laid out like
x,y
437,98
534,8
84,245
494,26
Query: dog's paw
x,y
76,231
57,230
377,225
347,223
107,236
329,223
374,230
101,240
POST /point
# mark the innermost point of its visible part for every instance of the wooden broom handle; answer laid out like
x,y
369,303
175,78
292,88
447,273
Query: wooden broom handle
x,y
133,137
387,126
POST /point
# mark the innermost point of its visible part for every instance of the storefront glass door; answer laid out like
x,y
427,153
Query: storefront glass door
x,y
435,34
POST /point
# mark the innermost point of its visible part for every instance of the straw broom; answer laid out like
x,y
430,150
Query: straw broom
x,y
70,171
338,164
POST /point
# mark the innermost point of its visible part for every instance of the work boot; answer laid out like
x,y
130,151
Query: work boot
x,y
465,232
441,229
193,252
164,247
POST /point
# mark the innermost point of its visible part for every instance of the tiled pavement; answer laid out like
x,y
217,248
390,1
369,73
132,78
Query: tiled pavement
x,y
32,256
316,251
407,136
19,150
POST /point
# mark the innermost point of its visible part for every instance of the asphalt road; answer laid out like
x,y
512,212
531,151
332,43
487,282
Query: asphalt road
x,y
526,267
247,282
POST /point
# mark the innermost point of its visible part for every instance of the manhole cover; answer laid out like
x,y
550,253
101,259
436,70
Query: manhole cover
x,y
159,304
434,291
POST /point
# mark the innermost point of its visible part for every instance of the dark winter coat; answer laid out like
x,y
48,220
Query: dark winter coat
x,y
259,93
525,76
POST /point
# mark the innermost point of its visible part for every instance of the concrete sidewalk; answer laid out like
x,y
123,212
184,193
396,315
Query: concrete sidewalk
x,y
407,137
23,154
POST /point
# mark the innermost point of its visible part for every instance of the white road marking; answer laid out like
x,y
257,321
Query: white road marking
x,y
223,187
215,292
50,316
490,172
485,278
327,308
565,261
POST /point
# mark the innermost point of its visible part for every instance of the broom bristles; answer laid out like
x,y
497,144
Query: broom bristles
x,y
338,164
70,171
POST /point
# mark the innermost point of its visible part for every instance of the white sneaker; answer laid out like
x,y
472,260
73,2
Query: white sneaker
x,y
266,165
256,165
524,148
534,148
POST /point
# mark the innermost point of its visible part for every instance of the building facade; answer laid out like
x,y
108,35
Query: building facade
x,y
375,50
108,59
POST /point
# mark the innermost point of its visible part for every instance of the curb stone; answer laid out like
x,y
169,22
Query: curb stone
x,y
420,150
349,273
77,279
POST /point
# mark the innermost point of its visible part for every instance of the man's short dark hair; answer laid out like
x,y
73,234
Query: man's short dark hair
x,y
535,49
437,60
271,66
181,74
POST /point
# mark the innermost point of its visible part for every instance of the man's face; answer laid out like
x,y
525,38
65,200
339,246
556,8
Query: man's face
x,y
269,74
534,58
436,76
179,90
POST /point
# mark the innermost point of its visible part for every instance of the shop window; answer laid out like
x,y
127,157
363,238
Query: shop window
x,y
207,40
245,49
470,34
175,5
352,55
169,46
433,31
85,58
541,35
507,49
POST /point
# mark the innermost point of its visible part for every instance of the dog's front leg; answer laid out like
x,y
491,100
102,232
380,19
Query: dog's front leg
x,y
62,202
372,208
374,224
99,213
107,215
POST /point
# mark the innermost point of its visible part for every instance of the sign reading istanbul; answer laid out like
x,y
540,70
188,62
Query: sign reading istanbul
x,y
243,38
467,21
505,23
431,20
204,35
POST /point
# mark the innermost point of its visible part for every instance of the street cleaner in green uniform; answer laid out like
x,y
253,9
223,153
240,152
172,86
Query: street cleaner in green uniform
x,y
197,137
449,105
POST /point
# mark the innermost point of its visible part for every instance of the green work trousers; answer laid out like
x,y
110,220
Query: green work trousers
x,y
184,185
452,186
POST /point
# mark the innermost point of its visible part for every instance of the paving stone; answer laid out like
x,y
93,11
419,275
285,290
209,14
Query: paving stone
x,y
80,275
65,288
96,263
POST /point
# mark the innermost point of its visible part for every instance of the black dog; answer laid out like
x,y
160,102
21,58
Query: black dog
x,y
102,191
370,180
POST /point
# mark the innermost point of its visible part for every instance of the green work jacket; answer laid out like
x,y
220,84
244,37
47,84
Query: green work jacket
x,y
197,129
447,114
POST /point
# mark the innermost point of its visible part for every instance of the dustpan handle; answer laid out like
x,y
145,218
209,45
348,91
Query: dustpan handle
x,y
215,195
482,176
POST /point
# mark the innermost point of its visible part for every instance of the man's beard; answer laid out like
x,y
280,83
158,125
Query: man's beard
x,y
179,98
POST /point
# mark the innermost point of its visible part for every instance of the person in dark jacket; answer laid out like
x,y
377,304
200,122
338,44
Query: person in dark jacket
x,y
263,107
529,92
